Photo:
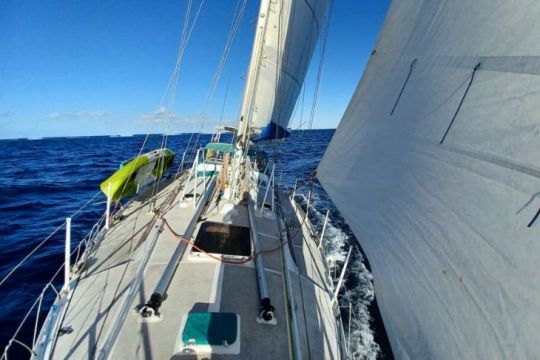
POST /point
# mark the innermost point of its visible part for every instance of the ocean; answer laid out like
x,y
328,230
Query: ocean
x,y
43,181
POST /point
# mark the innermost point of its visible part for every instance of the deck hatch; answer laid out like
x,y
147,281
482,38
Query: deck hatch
x,y
207,328
209,333
219,238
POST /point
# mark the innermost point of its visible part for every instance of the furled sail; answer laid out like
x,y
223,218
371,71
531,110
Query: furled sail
x,y
286,35
436,167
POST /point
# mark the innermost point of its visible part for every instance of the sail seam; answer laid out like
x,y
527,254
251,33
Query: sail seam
x,y
496,160
529,65
282,70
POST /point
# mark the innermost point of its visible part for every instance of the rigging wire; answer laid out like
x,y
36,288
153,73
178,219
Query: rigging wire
x,y
173,80
233,29
184,41
42,242
321,66
8,275
314,102
191,146
224,102
171,89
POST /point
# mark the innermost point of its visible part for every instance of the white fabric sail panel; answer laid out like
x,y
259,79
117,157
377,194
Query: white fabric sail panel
x,y
288,42
445,226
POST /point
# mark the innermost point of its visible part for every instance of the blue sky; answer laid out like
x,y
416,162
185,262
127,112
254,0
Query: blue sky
x,y
70,68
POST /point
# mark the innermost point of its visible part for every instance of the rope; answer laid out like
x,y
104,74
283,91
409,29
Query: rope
x,y
460,103
534,219
225,261
411,68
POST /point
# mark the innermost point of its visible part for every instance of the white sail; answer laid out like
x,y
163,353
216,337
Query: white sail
x,y
286,35
436,167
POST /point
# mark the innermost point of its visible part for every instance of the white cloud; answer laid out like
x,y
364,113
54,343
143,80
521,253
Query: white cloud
x,y
161,115
77,115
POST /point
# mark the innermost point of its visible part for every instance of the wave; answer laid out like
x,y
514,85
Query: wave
x,y
49,179
357,288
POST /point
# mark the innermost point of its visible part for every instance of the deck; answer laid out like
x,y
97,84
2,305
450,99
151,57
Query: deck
x,y
129,262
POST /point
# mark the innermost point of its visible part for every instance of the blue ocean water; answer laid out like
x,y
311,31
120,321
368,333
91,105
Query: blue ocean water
x,y
43,181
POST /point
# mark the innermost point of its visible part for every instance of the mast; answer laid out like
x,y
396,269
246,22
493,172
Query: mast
x,y
285,39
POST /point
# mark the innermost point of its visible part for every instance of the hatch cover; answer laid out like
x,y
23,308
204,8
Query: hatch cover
x,y
219,238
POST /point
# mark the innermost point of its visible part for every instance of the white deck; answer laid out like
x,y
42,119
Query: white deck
x,y
124,271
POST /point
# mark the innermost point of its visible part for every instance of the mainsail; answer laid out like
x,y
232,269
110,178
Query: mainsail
x,y
286,35
436,167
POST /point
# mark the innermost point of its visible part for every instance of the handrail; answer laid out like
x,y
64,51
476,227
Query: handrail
x,y
87,242
191,171
8,275
81,252
42,242
319,235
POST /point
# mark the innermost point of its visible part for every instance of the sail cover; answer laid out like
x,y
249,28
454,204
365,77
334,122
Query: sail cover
x,y
436,167
285,39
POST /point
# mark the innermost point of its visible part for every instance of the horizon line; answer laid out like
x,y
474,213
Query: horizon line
x,y
132,135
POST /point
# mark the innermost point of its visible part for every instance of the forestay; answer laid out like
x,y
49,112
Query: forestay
x,y
285,39
436,167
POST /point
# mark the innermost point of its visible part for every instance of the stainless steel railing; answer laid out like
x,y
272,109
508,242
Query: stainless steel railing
x,y
81,253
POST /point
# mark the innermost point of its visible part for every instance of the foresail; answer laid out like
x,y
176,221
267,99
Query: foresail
x,y
286,35
436,167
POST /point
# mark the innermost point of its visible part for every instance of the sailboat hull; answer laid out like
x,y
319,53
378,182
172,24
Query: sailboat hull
x,y
208,284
